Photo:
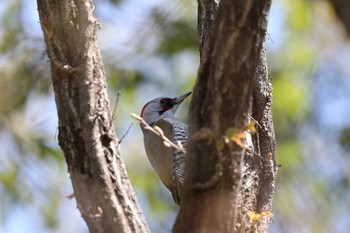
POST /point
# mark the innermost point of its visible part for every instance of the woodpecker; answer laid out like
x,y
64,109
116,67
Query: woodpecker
x,y
168,162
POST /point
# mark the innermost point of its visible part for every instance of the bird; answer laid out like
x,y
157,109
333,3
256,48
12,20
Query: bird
x,y
167,162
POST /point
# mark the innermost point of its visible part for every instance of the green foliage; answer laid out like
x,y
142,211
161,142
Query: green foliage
x,y
15,84
124,80
8,178
289,155
150,185
300,19
179,36
287,105
11,27
344,138
288,98
291,69
306,184
50,211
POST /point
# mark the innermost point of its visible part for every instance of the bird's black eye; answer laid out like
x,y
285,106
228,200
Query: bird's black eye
x,y
165,105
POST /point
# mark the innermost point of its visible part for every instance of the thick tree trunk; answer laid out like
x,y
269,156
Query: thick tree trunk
x,y
101,187
225,180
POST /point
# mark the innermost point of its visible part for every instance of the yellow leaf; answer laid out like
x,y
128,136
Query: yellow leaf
x,y
238,141
255,216
266,214
251,127
235,135
231,131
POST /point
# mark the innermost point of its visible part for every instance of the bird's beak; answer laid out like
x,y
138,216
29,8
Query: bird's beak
x,y
179,99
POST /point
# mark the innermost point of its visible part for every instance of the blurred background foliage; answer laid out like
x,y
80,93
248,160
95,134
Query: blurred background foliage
x,y
150,49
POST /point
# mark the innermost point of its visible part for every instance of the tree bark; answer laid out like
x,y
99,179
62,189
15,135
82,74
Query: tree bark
x,y
342,9
86,135
225,180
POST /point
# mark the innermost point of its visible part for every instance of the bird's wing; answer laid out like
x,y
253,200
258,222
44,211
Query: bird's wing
x,y
180,133
160,156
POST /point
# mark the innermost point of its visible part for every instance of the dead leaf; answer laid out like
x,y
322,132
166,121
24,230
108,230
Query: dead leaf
x,y
269,155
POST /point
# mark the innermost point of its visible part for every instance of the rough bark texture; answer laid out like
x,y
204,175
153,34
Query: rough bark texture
x,y
223,182
103,192
260,169
342,9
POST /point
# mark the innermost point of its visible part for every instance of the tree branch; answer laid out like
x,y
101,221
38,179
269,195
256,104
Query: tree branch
x,y
159,132
230,45
102,189
342,9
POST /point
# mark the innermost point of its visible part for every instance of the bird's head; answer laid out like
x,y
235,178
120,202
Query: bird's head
x,y
160,107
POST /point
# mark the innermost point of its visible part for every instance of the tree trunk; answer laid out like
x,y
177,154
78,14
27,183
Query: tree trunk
x,y
342,9
225,179
86,135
